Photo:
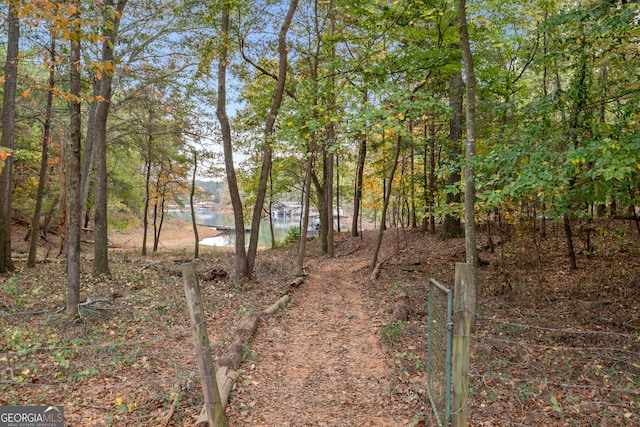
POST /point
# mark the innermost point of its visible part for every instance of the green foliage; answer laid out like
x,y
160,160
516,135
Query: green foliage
x,y
393,330
293,235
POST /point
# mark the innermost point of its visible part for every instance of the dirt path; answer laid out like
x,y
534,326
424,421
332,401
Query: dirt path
x,y
319,362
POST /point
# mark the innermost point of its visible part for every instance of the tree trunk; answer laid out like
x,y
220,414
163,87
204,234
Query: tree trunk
x,y
337,169
305,217
147,200
196,250
8,134
412,209
331,135
267,149
88,154
74,225
242,267
322,210
451,228
385,203
63,200
49,214
427,193
273,237
470,152
571,253
328,191
44,163
432,178
100,248
357,197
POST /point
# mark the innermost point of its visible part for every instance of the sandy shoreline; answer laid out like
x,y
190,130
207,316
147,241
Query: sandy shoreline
x,y
175,234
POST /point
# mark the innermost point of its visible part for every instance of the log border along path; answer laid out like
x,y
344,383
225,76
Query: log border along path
x,y
319,362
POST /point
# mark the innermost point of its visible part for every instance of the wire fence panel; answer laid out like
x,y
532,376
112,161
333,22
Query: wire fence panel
x,y
439,338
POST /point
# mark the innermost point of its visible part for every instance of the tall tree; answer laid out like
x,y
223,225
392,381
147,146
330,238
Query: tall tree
x,y
44,163
242,266
470,151
451,227
267,149
112,15
74,225
8,132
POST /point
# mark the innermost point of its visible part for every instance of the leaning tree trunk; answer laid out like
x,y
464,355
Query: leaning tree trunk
x,y
267,149
74,225
385,204
8,134
242,267
44,162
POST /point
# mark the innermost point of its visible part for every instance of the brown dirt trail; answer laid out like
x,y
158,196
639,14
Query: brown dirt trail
x,y
319,360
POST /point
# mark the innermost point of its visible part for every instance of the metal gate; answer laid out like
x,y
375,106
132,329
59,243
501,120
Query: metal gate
x,y
439,339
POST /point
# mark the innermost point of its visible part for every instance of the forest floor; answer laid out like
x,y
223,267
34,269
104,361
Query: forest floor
x,y
552,346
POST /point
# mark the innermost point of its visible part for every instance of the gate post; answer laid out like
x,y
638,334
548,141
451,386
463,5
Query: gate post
x,y
461,345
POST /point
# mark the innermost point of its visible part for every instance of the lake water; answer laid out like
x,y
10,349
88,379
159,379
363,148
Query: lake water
x,y
207,217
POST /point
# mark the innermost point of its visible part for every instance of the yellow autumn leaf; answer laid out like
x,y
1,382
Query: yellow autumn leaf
x,y
25,94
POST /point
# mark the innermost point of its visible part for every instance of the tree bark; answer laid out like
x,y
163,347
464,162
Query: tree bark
x,y
74,225
267,149
451,227
8,133
357,197
112,17
305,216
63,200
328,190
88,152
385,203
147,198
571,253
196,250
469,179
331,135
44,163
242,267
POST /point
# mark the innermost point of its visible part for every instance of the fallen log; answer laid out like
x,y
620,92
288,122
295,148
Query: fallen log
x,y
230,361
285,299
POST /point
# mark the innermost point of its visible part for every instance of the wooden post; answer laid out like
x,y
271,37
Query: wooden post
x,y
212,403
461,343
